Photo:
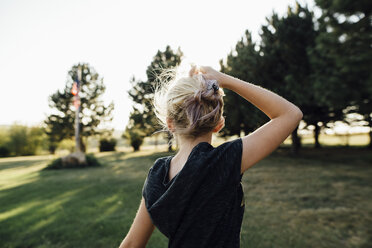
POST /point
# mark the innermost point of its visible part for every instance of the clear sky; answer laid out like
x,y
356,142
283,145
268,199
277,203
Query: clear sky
x,y
40,40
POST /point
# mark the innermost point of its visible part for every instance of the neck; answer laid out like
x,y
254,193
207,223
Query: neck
x,y
187,144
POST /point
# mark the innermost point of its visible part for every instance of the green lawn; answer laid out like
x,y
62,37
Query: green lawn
x,y
319,199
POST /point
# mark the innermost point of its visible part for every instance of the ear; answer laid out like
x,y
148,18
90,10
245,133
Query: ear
x,y
170,124
220,125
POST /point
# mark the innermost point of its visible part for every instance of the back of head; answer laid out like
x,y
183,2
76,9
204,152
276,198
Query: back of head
x,y
193,104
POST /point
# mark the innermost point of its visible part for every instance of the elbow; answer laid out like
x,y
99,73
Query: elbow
x,y
299,114
129,244
296,113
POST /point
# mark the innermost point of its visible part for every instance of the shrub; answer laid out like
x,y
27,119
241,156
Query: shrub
x,y
135,136
4,151
91,161
106,144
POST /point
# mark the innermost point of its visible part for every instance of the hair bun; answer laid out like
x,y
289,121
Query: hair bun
x,y
193,103
212,84
209,91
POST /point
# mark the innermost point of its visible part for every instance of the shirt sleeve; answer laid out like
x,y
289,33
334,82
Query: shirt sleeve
x,y
143,189
145,185
229,161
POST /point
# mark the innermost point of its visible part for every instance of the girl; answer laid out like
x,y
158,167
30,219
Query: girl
x,y
195,198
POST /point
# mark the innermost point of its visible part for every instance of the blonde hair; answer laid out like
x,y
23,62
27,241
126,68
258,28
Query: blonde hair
x,y
193,106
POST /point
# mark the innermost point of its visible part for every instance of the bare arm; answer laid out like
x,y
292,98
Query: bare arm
x,y
268,102
284,115
141,229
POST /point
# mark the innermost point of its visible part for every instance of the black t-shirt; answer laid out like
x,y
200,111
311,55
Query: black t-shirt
x,y
203,205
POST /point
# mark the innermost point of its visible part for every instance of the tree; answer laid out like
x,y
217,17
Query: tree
x,y
345,56
241,63
107,144
142,92
330,94
4,142
60,124
280,63
23,140
135,136
286,63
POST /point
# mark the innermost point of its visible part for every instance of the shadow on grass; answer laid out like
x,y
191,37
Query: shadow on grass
x,y
92,207
19,163
330,154
315,199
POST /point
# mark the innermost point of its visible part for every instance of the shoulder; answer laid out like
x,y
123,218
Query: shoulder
x,y
221,153
159,164
206,150
230,152
234,145
155,173
225,163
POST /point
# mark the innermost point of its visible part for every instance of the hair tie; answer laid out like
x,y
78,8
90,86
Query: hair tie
x,y
212,84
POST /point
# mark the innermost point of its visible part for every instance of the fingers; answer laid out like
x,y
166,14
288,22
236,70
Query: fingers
x,y
194,70
202,69
199,70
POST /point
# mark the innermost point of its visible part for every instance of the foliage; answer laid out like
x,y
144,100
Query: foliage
x,y
4,140
135,136
67,144
320,65
344,56
20,140
61,124
241,63
142,92
279,62
107,144
4,151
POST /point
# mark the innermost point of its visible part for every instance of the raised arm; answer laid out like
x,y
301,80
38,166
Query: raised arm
x,y
284,115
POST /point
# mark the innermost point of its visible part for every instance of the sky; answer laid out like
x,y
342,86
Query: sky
x,y
41,40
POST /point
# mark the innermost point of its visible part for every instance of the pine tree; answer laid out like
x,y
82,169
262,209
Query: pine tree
x,y
60,124
344,59
241,63
280,63
142,116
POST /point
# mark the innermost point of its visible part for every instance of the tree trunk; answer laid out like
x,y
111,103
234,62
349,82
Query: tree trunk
x,y
135,147
370,135
295,142
52,149
82,145
316,135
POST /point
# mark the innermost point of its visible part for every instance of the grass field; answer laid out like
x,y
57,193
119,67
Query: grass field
x,y
318,199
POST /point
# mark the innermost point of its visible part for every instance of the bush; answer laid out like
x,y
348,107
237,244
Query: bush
x,y
91,161
4,151
135,136
106,145
19,140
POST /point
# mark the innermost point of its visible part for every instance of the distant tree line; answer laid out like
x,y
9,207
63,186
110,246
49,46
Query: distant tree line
x,y
21,140
321,64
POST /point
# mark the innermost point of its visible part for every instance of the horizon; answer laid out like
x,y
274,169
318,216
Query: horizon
x,y
41,41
